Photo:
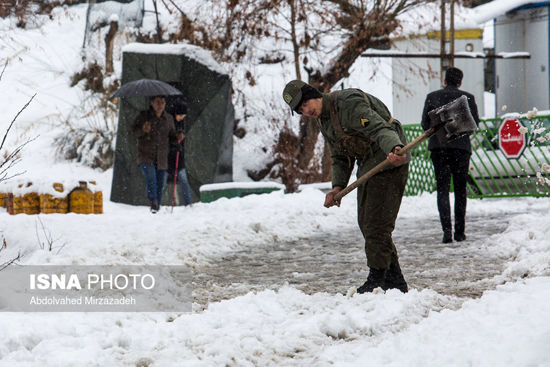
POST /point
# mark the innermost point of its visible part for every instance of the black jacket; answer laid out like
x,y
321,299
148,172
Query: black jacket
x,y
439,98
176,147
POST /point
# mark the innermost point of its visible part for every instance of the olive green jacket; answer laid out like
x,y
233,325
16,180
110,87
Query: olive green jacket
x,y
371,119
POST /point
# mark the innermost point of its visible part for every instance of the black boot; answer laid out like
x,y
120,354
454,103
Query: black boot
x,y
460,236
154,206
447,237
374,280
394,277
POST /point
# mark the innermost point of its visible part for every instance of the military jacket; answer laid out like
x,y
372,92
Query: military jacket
x,y
368,116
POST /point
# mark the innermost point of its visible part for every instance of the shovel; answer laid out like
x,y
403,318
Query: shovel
x,y
455,117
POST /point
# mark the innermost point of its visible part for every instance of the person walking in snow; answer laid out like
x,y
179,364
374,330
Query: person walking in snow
x,y
450,160
154,129
359,128
176,156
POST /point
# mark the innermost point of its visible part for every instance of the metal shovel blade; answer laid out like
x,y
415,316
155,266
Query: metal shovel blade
x,y
456,120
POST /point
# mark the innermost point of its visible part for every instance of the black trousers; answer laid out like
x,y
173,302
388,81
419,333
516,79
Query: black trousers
x,y
451,163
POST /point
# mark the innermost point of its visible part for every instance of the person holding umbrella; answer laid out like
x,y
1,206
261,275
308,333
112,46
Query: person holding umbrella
x,y
154,130
176,161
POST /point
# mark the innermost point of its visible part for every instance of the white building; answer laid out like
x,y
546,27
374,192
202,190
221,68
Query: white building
x,y
413,78
519,28
522,84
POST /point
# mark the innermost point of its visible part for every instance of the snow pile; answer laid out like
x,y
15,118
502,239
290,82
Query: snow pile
x,y
527,241
287,327
506,327
108,11
191,235
267,328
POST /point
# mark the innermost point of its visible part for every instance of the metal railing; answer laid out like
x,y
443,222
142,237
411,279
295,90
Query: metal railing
x,y
492,174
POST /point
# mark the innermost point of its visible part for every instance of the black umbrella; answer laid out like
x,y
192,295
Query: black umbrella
x,y
145,88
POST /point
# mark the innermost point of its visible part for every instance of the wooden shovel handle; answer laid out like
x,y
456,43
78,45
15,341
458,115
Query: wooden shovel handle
x,y
385,163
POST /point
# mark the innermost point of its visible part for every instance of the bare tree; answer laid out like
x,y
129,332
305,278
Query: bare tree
x,y
45,239
7,161
109,46
10,158
322,38
359,24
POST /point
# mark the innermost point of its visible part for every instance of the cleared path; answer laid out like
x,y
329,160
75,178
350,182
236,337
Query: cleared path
x,y
333,263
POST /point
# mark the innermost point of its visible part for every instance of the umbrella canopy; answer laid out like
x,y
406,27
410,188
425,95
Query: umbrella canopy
x,y
145,88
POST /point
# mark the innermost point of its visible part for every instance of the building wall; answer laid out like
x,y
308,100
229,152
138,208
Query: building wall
x,y
522,84
413,78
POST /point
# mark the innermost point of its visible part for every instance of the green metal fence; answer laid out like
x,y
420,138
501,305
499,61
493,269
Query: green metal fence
x,y
421,173
492,174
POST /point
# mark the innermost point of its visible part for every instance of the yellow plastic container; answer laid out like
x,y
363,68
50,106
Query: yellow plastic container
x,y
31,203
9,203
50,204
31,200
18,203
98,202
81,199
98,198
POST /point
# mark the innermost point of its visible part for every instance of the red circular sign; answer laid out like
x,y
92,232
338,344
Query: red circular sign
x,y
511,140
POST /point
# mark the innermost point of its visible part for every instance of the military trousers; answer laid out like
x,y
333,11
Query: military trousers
x,y
378,202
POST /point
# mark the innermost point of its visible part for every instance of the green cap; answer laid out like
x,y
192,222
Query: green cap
x,y
292,94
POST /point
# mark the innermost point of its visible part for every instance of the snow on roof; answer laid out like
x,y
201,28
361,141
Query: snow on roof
x,y
193,52
425,18
507,55
495,8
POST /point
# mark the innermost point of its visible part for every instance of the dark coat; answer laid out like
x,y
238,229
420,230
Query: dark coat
x,y
176,147
152,148
439,98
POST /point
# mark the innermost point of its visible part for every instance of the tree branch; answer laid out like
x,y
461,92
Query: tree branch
x,y
2,73
15,118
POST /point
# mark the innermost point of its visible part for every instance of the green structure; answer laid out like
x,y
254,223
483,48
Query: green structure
x,y
492,174
229,190
209,123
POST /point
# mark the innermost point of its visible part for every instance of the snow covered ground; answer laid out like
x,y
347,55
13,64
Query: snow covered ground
x,y
507,326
